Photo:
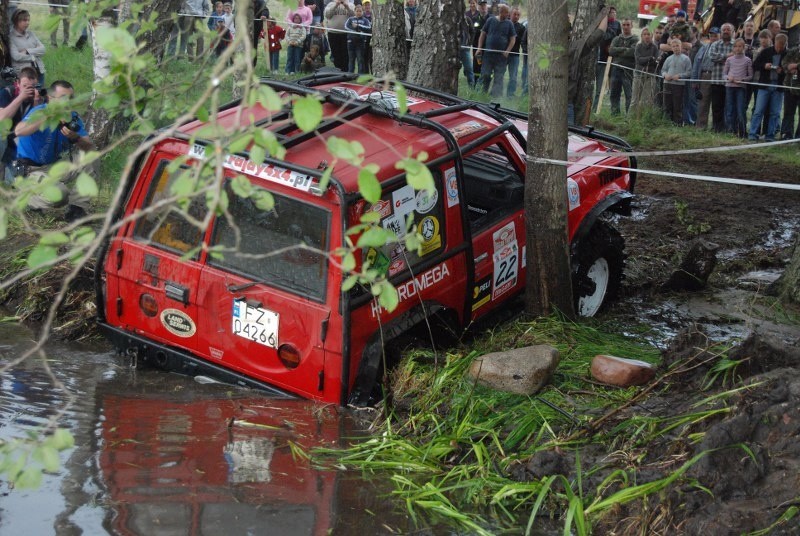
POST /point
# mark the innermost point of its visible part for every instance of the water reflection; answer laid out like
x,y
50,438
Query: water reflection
x,y
160,454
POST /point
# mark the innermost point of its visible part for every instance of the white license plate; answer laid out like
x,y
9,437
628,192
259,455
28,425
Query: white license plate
x,y
255,323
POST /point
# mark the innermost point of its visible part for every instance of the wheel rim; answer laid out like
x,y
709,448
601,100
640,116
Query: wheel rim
x,y
598,274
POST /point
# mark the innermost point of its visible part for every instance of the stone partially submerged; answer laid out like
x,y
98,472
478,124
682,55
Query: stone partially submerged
x,y
521,371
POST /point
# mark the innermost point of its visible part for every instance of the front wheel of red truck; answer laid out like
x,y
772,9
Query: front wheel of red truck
x,y
597,269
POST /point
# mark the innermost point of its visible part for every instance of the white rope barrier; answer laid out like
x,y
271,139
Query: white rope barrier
x,y
703,150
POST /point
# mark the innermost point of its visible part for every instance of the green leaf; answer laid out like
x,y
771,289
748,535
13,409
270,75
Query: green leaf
x,y
241,186
49,458
326,178
86,185
543,62
3,223
402,98
257,154
83,236
183,185
370,217
351,152
240,144
269,98
52,194
267,139
417,174
263,200
202,114
349,282
374,237
388,297
59,169
41,255
30,478
413,242
368,185
119,43
348,262
54,239
307,113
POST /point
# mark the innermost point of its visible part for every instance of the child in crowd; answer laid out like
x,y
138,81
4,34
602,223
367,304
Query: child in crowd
x,y
738,68
223,39
217,15
360,30
312,60
227,16
295,37
677,68
272,43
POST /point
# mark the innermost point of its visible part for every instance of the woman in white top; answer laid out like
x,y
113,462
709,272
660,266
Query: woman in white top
x,y
26,49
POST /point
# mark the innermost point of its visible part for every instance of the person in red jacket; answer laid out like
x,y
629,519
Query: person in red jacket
x,y
272,43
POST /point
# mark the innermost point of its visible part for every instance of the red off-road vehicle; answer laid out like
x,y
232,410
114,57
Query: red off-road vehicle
x,y
267,315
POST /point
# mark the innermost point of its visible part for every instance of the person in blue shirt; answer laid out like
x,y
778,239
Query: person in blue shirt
x,y
360,30
39,146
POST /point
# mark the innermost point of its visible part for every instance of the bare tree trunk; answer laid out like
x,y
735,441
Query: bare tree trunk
x,y
548,281
98,122
787,287
389,52
5,26
583,24
156,40
434,53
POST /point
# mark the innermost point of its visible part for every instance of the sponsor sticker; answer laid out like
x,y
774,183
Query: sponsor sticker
x,y
382,207
573,194
416,285
263,171
451,184
395,224
431,239
178,323
397,266
426,200
403,201
216,353
377,259
504,236
464,129
481,293
506,269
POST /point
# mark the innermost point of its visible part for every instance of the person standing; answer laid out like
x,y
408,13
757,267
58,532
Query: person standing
x,y
791,98
769,97
360,28
613,29
478,20
623,52
306,15
514,55
498,37
738,70
295,38
336,15
60,8
701,70
465,44
191,11
644,81
677,68
719,52
26,49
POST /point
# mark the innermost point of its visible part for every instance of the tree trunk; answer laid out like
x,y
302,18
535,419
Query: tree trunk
x,y
787,287
549,284
98,123
389,52
5,27
585,15
434,53
156,40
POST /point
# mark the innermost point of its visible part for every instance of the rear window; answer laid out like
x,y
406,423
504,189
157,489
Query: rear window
x,y
165,224
262,244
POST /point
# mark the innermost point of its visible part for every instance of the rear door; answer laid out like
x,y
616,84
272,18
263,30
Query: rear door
x,y
264,296
153,267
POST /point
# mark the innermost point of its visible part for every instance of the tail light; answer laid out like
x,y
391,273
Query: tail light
x,y
148,305
289,356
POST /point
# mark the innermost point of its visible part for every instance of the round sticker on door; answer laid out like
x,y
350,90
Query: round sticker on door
x,y
426,200
178,323
429,229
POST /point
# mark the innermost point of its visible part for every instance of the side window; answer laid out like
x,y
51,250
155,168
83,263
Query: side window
x,y
493,186
167,225
426,211
263,244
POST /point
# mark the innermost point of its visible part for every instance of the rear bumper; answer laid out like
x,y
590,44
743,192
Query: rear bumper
x,y
180,361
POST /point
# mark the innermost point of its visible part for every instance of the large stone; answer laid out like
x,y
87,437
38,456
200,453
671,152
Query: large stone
x,y
523,371
621,371
695,269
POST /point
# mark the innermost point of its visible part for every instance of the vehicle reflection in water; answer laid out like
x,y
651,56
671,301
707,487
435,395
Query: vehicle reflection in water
x,y
160,454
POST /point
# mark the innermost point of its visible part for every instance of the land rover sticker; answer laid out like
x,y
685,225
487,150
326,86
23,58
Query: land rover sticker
x,y
178,323
426,200
255,323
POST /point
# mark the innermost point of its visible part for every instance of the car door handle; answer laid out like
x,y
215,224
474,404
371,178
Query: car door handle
x,y
482,257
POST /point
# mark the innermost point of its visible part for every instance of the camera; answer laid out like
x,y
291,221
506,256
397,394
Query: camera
x,y
74,124
41,90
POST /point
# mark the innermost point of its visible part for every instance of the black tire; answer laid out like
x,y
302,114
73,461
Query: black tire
x,y
597,268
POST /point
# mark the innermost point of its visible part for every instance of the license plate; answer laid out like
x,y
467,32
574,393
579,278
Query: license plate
x,y
255,323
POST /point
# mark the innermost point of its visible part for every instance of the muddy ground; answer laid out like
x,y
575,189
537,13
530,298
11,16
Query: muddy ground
x,y
751,474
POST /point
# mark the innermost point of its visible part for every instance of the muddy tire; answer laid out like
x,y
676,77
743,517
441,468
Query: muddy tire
x,y
597,269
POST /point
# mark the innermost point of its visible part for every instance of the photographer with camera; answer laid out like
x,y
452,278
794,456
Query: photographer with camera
x,y
39,146
16,99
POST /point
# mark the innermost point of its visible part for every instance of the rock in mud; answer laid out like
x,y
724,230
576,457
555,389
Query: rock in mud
x,y
620,371
523,371
695,269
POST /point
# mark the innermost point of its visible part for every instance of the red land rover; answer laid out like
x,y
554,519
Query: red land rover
x,y
269,315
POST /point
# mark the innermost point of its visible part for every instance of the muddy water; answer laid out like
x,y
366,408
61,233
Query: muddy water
x,y
160,454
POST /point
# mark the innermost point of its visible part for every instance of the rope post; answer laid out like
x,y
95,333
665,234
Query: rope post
x,y
604,87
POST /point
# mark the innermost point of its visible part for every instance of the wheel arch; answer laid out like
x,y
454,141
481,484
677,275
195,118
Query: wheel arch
x,y
618,202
